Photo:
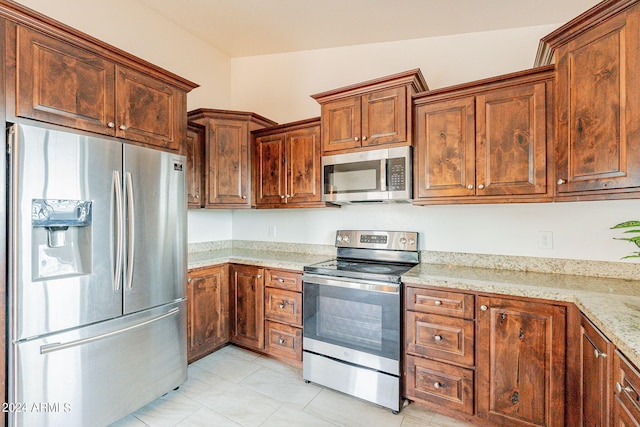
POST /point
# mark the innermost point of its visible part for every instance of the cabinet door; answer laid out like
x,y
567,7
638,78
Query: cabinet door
x,y
520,362
63,84
598,100
227,162
208,318
247,285
511,141
341,124
445,149
195,157
303,165
595,373
270,175
283,341
149,111
384,117
283,306
626,385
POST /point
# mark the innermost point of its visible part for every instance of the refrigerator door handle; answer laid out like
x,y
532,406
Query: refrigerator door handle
x,y
130,230
49,348
117,192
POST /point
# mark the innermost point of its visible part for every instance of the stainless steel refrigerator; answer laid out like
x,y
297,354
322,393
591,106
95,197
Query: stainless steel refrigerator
x,y
96,280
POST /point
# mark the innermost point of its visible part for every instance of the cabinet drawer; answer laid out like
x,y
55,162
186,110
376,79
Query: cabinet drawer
x,y
626,385
440,302
439,337
445,385
283,306
283,340
282,279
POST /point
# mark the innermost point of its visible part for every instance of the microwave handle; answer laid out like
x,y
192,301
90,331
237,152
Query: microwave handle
x,y
383,174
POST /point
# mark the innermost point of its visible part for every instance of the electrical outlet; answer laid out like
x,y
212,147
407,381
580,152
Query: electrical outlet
x,y
545,240
272,231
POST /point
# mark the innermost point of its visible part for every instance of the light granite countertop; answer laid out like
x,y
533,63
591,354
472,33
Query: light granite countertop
x,y
613,305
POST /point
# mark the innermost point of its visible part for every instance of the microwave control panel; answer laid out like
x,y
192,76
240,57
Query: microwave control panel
x,y
397,174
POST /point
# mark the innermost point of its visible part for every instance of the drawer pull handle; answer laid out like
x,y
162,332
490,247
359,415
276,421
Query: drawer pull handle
x,y
438,303
281,280
627,389
438,385
599,353
437,338
282,305
281,341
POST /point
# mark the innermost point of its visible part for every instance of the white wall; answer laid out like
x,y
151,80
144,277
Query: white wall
x,y
209,225
134,28
278,86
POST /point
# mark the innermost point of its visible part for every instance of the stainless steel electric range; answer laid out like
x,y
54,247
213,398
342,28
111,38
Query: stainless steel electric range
x,y
352,315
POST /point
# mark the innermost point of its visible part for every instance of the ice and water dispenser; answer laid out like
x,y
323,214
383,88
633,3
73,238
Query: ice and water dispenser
x,y
61,238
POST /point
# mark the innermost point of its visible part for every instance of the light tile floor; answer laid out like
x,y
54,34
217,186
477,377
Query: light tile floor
x,y
235,387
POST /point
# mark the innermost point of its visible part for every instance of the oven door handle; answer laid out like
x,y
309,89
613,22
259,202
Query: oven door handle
x,y
359,284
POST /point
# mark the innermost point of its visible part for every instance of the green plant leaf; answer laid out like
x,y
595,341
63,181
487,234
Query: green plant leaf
x,y
632,231
635,240
627,224
635,255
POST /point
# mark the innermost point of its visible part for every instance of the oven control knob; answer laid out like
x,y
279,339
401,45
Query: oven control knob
x,y
339,238
346,238
412,241
403,240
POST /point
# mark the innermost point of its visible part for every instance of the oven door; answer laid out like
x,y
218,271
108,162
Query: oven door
x,y
356,321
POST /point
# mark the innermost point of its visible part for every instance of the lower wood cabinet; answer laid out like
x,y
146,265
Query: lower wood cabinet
x,y
283,314
521,362
595,375
247,305
207,310
626,392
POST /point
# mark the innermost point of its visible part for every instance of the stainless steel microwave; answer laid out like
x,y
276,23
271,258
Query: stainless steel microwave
x,y
382,175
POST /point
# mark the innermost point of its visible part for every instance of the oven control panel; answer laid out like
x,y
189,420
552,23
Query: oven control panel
x,y
370,239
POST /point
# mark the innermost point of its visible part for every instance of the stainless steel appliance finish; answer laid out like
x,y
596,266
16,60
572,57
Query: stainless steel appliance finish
x,y
352,317
97,273
382,175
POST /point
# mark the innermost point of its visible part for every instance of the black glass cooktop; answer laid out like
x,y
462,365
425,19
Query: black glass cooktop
x,y
387,272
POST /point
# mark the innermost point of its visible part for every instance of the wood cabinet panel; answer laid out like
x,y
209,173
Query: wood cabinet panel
x,y
247,305
384,117
149,111
303,165
283,341
207,310
445,148
597,103
270,158
61,83
626,386
195,158
341,124
283,306
283,279
439,384
443,338
444,303
227,163
521,362
511,141
595,374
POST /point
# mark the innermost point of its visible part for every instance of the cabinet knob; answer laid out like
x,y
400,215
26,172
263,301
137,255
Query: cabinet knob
x,y
438,303
470,186
197,196
620,388
282,305
244,197
280,279
111,125
561,181
282,196
364,138
599,353
189,280
287,196
281,341
481,186
438,337
484,307
123,127
356,139
437,385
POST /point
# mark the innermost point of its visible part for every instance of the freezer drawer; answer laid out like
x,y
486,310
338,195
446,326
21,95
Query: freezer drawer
x,y
95,375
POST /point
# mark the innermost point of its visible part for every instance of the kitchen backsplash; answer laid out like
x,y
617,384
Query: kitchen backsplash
x,y
619,270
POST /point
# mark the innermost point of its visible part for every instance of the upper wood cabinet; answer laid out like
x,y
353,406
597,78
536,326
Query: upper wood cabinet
x,y
195,158
369,114
521,349
73,84
228,155
597,102
287,165
485,141
207,310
